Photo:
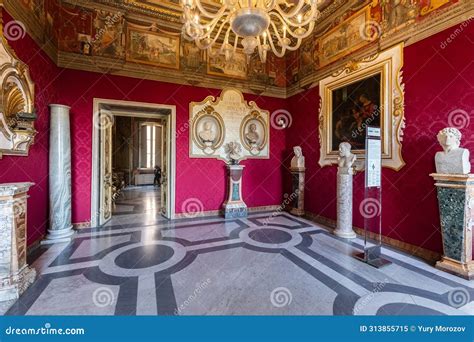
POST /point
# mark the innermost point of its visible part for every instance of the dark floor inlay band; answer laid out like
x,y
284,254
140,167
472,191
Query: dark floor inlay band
x,y
144,256
268,235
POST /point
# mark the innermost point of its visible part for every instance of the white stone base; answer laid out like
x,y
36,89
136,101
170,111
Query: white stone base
x,y
345,234
59,236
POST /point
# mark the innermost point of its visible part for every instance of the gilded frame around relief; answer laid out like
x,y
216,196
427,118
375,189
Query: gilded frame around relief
x,y
390,113
261,139
17,113
208,115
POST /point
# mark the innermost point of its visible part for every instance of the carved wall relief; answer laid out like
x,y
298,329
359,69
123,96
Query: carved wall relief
x,y
228,118
253,133
208,130
17,114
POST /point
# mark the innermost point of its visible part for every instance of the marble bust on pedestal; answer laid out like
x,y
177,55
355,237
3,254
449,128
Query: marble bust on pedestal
x,y
297,162
233,150
297,180
346,158
453,159
345,191
455,192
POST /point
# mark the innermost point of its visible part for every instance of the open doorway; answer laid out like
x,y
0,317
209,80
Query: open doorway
x,y
137,162
134,160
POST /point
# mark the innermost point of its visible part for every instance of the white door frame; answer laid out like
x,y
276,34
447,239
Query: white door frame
x,y
171,186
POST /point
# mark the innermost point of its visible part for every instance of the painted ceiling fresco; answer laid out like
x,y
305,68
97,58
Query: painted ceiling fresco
x,y
135,31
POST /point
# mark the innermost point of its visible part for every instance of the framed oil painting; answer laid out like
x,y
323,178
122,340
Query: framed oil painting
x,y
365,93
345,38
153,48
354,107
236,67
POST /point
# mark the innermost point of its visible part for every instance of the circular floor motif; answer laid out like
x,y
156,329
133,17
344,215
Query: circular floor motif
x,y
144,256
270,237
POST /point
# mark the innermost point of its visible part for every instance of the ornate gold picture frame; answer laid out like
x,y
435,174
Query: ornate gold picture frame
x,y
369,104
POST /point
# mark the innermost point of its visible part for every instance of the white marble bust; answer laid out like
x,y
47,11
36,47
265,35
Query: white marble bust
x,y
207,135
453,159
252,134
297,162
346,158
233,150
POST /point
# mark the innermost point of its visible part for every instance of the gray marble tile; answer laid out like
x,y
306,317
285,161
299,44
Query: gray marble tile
x,y
142,264
75,295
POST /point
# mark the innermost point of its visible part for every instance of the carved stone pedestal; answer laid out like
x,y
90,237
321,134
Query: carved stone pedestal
x,y
235,206
15,275
297,192
344,203
456,208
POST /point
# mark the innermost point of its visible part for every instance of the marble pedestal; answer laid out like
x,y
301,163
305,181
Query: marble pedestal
x,y
235,206
456,208
15,275
59,176
344,204
297,181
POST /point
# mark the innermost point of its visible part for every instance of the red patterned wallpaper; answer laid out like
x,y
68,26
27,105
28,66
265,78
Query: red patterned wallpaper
x,y
439,88
34,168
438,76
203,179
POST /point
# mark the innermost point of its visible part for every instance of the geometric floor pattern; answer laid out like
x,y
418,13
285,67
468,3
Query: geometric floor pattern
x,y
141,264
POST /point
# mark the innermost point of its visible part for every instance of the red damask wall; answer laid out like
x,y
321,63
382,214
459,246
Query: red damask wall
x,y
438,78
203,179
439,89
34,168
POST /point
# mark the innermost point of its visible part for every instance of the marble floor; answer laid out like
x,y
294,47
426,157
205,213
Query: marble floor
x,y
142,264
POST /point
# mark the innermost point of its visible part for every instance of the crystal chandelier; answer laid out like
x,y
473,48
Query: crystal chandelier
x,y
261,25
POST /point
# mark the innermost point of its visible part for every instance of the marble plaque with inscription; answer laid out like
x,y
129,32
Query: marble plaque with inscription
x,y
234,120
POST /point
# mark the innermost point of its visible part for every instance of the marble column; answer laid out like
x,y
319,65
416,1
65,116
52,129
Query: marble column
x,y
59,176
235,206
344,203
15,275
297,194
456,209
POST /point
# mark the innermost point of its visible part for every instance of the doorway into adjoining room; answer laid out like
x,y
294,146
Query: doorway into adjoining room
x,y
137,162
134,163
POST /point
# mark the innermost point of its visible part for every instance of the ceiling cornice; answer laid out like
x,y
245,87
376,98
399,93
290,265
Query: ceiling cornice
x,y
441,20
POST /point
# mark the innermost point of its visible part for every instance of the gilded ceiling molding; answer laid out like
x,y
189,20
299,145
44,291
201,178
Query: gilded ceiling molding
x,y
454,15
166,18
